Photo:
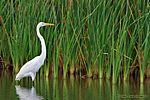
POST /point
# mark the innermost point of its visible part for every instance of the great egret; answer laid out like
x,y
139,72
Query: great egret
x,y
32,66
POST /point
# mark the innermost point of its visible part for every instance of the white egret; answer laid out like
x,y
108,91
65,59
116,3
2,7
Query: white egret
x,y
32,66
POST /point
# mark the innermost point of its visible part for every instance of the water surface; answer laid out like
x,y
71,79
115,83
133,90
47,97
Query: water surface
x,y
70,89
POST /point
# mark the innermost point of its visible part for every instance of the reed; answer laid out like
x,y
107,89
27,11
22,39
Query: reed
x,y
90,38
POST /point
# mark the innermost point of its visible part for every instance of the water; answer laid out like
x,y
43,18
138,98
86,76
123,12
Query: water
x,y
70,89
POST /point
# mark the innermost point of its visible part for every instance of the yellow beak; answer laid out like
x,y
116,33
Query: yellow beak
x,y
48,24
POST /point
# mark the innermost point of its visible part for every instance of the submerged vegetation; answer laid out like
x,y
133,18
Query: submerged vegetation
x,y
91,38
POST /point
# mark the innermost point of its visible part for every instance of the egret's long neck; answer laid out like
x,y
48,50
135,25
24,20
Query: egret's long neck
x,y
43,53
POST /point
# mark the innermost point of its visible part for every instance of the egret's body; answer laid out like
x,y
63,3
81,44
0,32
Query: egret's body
x,y
32,66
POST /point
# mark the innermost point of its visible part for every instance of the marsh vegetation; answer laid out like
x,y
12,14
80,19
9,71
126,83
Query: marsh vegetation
x,y
91,38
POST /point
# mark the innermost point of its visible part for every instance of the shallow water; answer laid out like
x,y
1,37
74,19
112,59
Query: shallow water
x,y
70,89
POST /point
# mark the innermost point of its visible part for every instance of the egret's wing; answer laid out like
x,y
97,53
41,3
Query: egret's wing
x,y
30,65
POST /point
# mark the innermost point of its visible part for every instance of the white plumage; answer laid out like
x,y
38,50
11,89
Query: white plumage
x,y
32,66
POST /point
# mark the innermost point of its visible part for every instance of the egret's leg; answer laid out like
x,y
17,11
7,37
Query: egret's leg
x,y
33,83
33,75
18,82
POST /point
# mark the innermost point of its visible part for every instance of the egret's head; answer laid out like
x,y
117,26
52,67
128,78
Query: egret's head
x,y
40,24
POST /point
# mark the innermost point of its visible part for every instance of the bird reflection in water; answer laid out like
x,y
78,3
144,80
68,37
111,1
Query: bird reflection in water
x,y
27,94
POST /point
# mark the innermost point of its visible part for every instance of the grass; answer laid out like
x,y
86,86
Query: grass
x,y
90,38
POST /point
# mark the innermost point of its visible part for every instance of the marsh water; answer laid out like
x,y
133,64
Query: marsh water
x,y
70,89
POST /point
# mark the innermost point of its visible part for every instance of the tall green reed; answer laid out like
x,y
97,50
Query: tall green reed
x,y
103,38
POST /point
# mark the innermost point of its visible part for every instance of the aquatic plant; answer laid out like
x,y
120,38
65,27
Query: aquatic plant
x,y
96,38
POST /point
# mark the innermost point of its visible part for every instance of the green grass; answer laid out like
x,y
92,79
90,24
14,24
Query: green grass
x,y
102,38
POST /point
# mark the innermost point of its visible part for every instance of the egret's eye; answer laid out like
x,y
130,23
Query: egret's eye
x,y
42,24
